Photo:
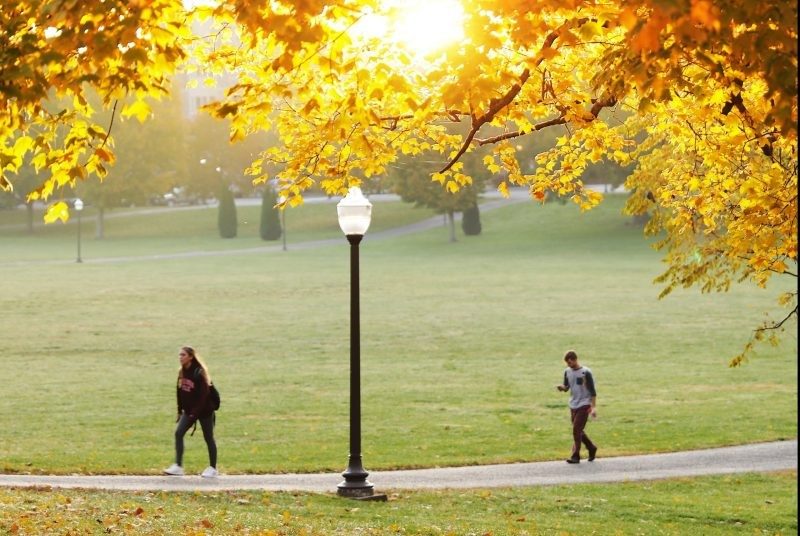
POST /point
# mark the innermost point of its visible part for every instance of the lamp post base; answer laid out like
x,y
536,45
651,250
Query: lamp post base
x,y
355,484
355,490
359,492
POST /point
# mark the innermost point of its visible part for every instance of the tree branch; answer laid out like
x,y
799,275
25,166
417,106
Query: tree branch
x,y
110,123
777,325
509,135
496,105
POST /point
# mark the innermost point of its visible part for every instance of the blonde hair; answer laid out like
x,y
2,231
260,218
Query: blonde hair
x,y
196,358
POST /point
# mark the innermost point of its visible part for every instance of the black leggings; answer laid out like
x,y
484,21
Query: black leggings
x,y
207,424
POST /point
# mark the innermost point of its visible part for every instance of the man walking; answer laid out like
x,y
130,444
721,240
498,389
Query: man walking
x,y
579,382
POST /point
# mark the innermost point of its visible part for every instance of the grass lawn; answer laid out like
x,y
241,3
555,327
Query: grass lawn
x,y
742,504
461,347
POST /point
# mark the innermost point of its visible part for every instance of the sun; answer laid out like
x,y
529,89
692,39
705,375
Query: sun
x,y
421,26
426,26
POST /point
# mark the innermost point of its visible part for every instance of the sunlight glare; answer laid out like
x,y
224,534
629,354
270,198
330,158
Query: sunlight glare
x,y
422,26
429,25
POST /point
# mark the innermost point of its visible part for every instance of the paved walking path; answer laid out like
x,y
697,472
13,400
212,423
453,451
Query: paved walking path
x,y
762,457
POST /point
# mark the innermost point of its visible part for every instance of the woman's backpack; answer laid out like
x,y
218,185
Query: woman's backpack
x,y
213,394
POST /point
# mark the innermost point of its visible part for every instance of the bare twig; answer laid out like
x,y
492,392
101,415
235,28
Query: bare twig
x,y
778,325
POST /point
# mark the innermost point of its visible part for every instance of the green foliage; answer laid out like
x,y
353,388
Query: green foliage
x,y
471,221
410,179
227,222
211,157
270,228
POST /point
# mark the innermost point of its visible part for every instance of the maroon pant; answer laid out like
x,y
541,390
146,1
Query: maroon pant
x,y
579,418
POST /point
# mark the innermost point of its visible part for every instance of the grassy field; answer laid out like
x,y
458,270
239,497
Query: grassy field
x,y
461,346
741,504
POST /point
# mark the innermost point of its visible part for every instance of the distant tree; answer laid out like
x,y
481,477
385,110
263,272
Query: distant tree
x,y
471,222
211,157
410,179
227,213
270,218
26,180
149,162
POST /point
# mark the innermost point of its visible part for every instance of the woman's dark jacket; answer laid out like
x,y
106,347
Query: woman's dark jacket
x,y
193,392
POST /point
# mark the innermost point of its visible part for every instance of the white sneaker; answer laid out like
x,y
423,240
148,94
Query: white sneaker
x,y
209,472
174,470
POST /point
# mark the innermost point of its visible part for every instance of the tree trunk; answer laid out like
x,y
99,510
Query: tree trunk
x,y
100,224
451,219
29,211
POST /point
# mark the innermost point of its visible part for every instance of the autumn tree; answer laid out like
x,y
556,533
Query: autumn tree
x,y
698,96
57,52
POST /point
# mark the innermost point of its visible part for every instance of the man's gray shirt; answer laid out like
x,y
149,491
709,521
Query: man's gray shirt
x,y
581,387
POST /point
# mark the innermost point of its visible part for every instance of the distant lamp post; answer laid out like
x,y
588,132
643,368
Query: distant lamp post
x,y
78,205
355,213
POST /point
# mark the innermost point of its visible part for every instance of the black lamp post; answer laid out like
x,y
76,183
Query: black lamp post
x,y
79,208
355,212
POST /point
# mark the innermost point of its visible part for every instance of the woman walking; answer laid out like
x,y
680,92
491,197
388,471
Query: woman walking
x,y
194,404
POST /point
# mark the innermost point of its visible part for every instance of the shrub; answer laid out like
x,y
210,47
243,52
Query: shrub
x,y
270,216
471,222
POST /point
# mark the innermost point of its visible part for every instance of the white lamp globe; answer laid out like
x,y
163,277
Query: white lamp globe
x,y
355,212
78,205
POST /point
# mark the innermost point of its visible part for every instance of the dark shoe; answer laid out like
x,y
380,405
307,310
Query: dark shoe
x,y
592,454
573,460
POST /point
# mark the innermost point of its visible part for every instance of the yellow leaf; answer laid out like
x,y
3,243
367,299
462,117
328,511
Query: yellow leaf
x,y
589,30
310,106
140,109
649,37
22,145
104,155
503,189
628,18
57,211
